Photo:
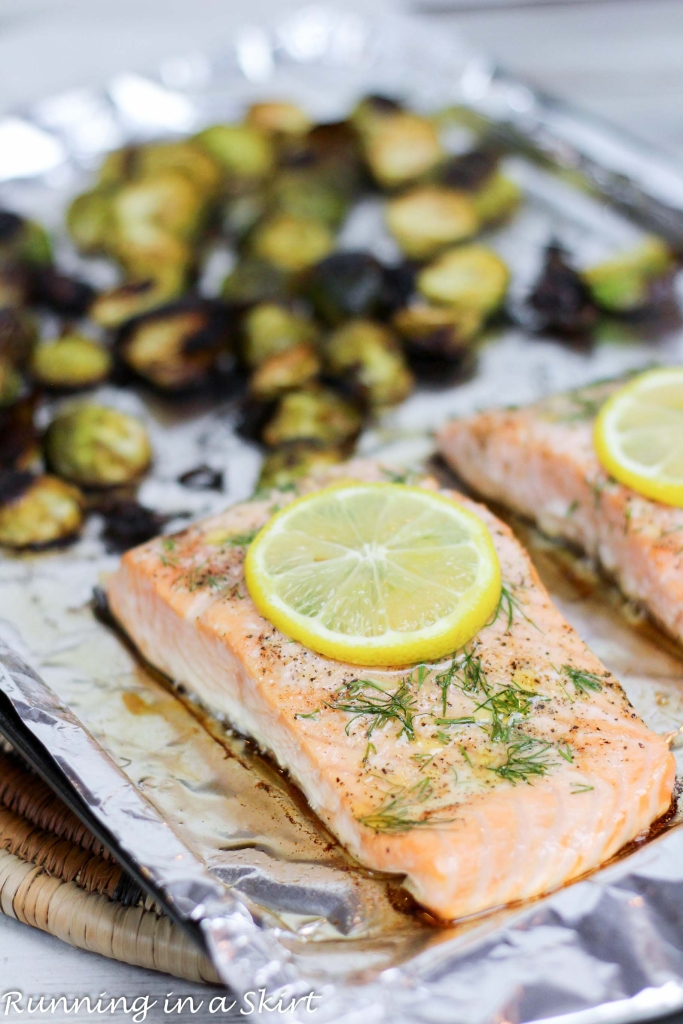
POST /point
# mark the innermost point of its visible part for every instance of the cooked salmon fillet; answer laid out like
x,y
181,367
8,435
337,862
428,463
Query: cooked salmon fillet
x,y
540,461
491,777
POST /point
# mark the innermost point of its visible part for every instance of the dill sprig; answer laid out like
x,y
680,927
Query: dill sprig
x,y
505,705
525,758
472,677
582,681
363,698
508,604
443,680
240,540
580,787
400,810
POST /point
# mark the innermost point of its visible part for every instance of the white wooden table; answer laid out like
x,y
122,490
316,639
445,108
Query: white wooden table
x,y
622,59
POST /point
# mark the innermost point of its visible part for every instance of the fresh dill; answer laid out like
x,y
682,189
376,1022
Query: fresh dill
x,y
465,720
443,737
572,508
168,543
471,675
580,787
240,540
400,811
423,760
311,714
369,750
443,680
565,751
582,681
525,758
505,705
508,604
364,699
422,673
463,751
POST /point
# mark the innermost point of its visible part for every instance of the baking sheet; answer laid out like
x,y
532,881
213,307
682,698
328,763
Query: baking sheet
x,y
610,947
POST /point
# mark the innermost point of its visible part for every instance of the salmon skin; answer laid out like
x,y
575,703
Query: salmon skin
x,y
493,776
540,461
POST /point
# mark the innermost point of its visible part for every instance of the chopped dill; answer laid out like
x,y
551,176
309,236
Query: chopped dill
x,y
582,681
572,508
505,706
423,760
240,540
395,478
565,751
526,758
443,680
422,672
473,678
364,699
311,714
370,749
463,751
399,811
443,737
168,543
508,604
580,787
465,720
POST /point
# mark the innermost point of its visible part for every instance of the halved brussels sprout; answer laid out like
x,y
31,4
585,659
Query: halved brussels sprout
x,y
95,446
368,355
497,199
118,166
71,362
316,414
61,292
18,335
127,523
400,147
19,440
175,347
561,299
36,511
241,212
429,217
169,200
11,385
310,195
471,276
187,158
294,368
333,150
244,151
439,331
279,117
286,465
625,283
270,328
253,280
470,171
291,243
146,251
23,242
113,308
88,220
372,109
346,284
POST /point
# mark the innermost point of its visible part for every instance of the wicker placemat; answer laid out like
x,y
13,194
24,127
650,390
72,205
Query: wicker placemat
x,y
56,876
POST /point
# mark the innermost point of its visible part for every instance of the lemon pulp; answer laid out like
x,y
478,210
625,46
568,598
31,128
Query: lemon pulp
x,y
639,435
375,574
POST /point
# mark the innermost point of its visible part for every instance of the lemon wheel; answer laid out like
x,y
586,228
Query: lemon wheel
x,y
375,574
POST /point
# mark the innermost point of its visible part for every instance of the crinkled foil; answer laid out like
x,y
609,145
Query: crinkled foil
x,y
608,948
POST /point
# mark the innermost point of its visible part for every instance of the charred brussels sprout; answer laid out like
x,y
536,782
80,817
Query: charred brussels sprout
x,y
470,171
294,368
291,243
23,242
287,464
11,384
115,307
470,276
253,280
88,221
346,284
18,335
400,147
96,446
60,292
242,212
279,118
438,332
369,357
372,109
36,511
270,328
14,287
627,283
428,218
175,347
19,440
70,363
316,415
244,151
169,200
309,196
561,300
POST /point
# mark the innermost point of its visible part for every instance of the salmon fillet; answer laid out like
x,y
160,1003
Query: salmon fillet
x,y
491,777
540,461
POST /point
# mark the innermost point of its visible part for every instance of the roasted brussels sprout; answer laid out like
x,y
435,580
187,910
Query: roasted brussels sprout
x,y
626,284
88,220
497,199
127,523
253,280
346,284
14,287
36,511
61,292
18,436
115,307
287,464
70,363
470,276
23,242
279,117
316,415
175,347
291,243
400,147
169,200
11,384
18,335
118,166
244,151
438,332
470,171
368,355
241,213
561,300
294,368
271,328
333,150
372,109
308,195
426,219
203,170
96,446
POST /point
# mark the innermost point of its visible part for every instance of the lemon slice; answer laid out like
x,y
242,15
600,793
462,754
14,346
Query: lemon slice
x,y
639,435
375,574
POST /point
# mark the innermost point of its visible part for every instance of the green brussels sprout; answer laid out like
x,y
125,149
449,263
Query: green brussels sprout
x,y
23,242
18,335
36,511
291,243
429,217
244,151
113,308
369,356
497,199
146,251
285,466
442,332
308,194
88,220
277,117
351,284
470,276
95,446
625,283
11,384
70,362
241,212
315,414
400,147
253,280
175,347
270,328
372,110
332,150
294,368
118,166
169,200
190,159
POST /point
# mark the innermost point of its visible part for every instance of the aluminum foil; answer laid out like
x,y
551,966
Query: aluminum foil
x,y
606,948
